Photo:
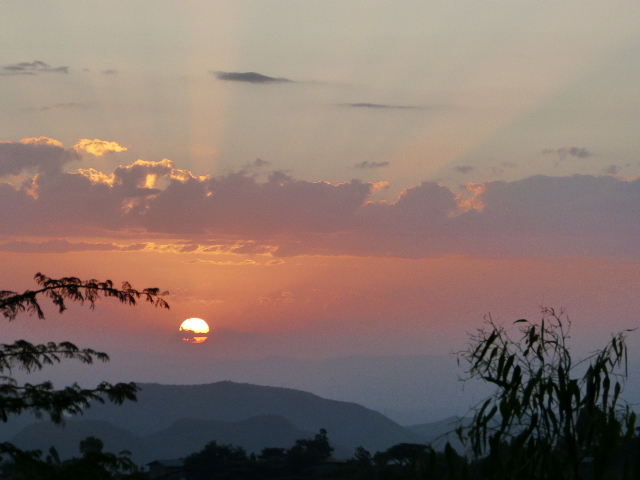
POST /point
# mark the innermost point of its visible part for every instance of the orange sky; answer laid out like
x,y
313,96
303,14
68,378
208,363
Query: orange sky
x,y
329,306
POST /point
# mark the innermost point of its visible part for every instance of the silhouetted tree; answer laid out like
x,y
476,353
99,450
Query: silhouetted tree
x,y
403,454
93,464
43,398
218,461
310,452
548,413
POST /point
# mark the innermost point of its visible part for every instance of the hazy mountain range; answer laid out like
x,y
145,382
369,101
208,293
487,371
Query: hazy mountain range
x,y
172,421
410,389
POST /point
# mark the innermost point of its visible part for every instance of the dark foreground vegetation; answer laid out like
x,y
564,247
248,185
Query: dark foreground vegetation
x,y
549,418
308,459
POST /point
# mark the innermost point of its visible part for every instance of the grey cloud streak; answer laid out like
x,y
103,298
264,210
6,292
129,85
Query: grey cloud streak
x,y
380,106
538,216
31,68
577,152
249,77
64,246
367,165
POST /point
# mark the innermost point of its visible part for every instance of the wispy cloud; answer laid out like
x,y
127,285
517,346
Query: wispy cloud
x,y
249,77
367,165
464,168
31,68
64,246
380,106
241,263
64,105
577,152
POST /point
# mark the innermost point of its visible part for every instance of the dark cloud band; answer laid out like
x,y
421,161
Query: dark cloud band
x,y
380,106
31,68
249,77
581,215
370,165
577,152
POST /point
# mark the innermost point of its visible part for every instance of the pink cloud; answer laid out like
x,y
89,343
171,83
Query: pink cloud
x,y
64,246
283,216
37,154
44,154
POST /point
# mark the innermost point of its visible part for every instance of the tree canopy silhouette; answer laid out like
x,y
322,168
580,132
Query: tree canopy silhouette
x,y
43,398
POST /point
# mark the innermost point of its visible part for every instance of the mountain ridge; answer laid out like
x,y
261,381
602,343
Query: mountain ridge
x,y
251,416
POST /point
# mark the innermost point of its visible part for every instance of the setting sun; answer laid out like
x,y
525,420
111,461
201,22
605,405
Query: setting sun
x,y
194,330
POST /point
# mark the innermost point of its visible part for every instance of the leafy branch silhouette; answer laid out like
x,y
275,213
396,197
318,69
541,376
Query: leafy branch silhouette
x,y
22,355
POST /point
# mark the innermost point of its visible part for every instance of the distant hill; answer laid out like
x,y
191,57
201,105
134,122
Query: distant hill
x,y
159,406
435,430
169,421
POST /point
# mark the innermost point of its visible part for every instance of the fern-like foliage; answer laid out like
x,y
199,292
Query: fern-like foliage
x,y
43,398
75,290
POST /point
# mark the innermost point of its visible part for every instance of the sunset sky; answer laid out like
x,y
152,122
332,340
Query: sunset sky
x,y
320,179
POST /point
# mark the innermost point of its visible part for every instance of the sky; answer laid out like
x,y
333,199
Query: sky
x,y
320,180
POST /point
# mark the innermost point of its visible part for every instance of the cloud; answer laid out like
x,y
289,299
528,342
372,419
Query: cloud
x,y
379,106
257,164
366,165
98,147
41,154
64,246
464,168
109,71
249,77
62,106
611,170
241,263
577,152
44,154
31,68
281,216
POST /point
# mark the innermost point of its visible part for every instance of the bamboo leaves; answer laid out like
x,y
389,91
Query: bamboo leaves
x,y
547,414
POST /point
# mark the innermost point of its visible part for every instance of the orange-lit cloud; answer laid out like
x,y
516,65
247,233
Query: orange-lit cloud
x,y
41,154
41,141
44,154
581,215
98,147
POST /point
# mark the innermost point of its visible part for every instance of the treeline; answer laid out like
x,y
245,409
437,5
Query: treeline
x,y
307,459
311,459
92,464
